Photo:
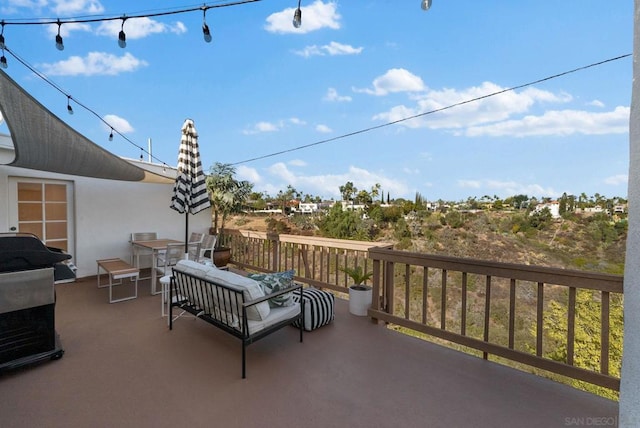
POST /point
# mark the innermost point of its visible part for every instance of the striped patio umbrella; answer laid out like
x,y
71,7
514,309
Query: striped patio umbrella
x,y
190,190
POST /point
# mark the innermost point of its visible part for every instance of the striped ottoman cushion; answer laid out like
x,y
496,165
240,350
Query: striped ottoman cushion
x,y
318,308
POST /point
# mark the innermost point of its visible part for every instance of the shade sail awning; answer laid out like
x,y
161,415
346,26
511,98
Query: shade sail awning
x,y
44,142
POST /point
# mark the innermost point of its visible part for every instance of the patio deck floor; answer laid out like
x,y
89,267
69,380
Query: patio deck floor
x,y
123,368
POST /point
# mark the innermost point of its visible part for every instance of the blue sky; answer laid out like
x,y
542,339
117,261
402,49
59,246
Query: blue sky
x,y
262,87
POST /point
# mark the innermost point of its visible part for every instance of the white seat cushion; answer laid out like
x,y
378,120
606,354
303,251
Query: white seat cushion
x,y
276,315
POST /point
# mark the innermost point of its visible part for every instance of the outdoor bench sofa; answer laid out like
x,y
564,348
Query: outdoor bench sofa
x,y
232,302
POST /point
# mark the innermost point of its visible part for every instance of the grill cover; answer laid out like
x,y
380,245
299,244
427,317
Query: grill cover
x,y
27,252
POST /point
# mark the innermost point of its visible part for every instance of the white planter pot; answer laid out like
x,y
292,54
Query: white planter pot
x,y
360,300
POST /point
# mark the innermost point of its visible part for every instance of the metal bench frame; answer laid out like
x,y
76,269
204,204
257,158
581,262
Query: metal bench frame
x,y
228,311
118,269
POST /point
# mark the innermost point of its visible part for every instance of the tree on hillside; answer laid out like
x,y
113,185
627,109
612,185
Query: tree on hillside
x,y
286,196
562,208
343,224
227,194
347,191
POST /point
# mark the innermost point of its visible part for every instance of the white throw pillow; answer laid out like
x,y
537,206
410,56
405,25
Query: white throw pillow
x,y
249,287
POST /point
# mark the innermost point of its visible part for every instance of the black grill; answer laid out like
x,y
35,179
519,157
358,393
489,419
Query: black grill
x,y
28,271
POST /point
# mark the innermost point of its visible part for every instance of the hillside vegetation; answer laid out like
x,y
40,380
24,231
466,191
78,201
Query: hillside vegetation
x,y
585,242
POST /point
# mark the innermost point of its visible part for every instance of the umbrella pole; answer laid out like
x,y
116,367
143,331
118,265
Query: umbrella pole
x,y
186,234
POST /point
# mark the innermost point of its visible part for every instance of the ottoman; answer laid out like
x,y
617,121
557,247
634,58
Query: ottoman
x,y
318,308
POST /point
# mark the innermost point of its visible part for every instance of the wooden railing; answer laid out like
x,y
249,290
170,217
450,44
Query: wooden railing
x,y
459,300
486,306
317,261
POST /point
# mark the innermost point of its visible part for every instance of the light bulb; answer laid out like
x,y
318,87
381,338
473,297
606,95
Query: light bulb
x,y
69,109
297,18
122,39
59,44
206,33
111,136
426,4
2,45
3,62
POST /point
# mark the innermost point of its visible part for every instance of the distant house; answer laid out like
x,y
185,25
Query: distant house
x,y
553,207
308,208
596,209
350,206
620,209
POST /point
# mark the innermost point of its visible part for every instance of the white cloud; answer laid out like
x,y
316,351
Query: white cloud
x,y
473,184
244,172
332,95
465,113
265,126
497,115
562,122
315,16
333,49
281,171
297,121
323,129
67,29
297,162
12,6
74,7
117,123
508,188
411,171
617,179
596,103
95,63
395,80
137,28
328,185
261,127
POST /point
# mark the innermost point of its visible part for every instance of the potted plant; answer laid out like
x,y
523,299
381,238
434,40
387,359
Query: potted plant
x,y
227,196
360,295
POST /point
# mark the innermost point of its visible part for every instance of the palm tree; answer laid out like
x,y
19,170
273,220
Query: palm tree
x,y
226,193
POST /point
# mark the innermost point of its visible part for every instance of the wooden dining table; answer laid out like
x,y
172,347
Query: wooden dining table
x,y
155,245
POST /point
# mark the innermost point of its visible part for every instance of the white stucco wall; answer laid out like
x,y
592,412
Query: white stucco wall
x,y
107,212
630,379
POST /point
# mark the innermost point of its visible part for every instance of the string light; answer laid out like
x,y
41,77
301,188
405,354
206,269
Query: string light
x,y
3,60
141,152
426,5
59,44
87,108
206,33
69,108
2,46
122,38
111,135
297,16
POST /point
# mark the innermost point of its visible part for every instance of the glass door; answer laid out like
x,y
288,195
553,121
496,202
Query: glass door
x,y
44,208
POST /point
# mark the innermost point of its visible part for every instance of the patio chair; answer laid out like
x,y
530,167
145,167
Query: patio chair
x,y
194,245
136,252
206,249
166,261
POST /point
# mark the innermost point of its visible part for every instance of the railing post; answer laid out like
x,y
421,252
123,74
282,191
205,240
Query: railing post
x,y
274,241
375,302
